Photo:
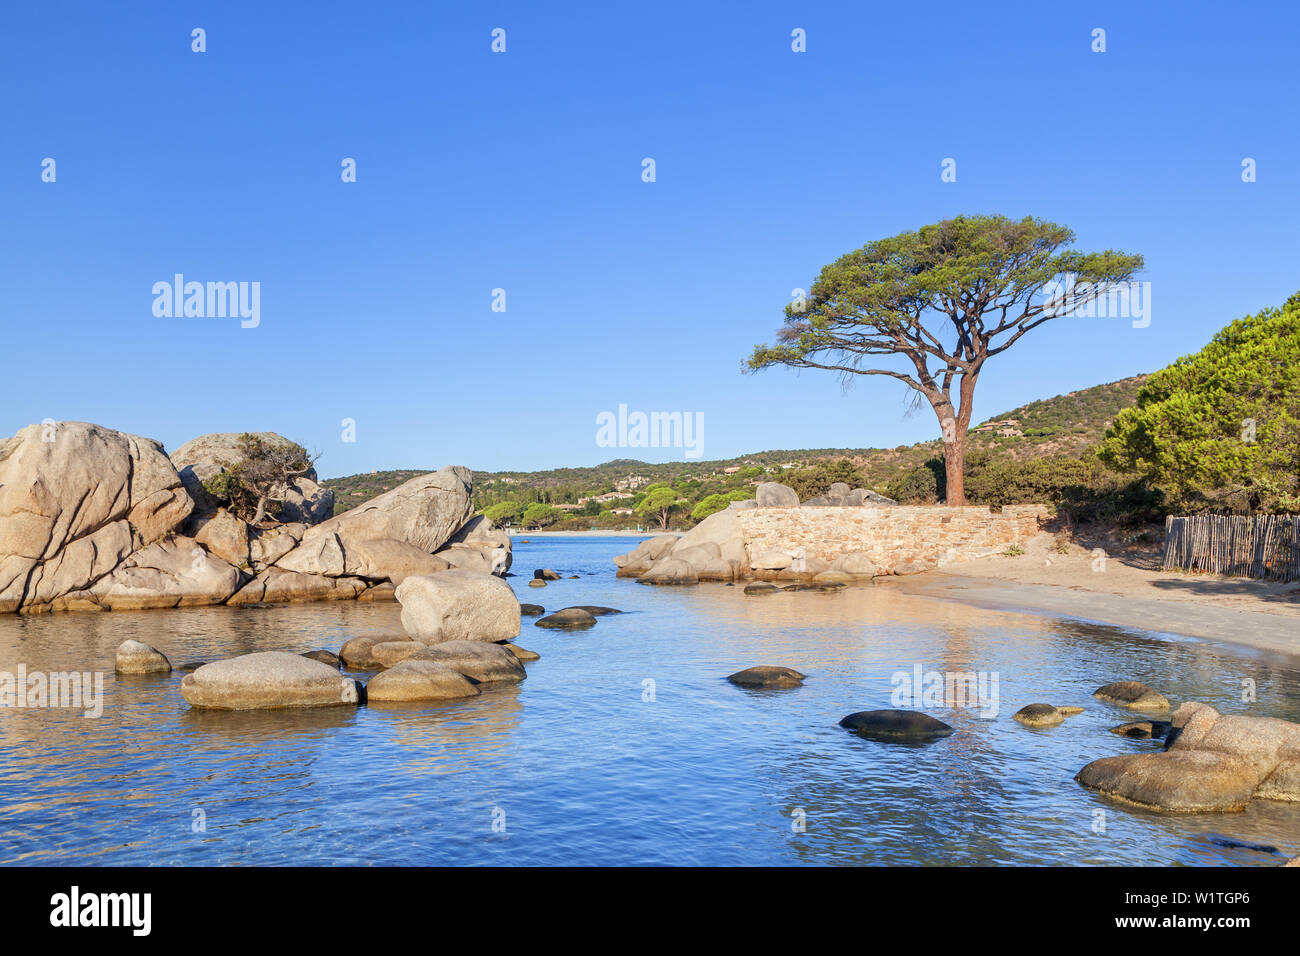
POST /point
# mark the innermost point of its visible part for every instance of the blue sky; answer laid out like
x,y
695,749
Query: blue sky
x,y
522,171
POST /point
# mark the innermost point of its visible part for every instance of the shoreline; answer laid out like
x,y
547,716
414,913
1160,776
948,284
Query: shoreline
x,y
1254,629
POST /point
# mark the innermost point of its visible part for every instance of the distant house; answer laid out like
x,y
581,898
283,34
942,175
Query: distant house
x,y
613,496
732,470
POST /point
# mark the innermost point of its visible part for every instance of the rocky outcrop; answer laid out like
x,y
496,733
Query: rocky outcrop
x,y
268,679
771,494
458,605
94,519
75,500
1211,763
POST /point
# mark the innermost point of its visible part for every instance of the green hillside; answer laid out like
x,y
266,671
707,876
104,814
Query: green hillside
x,y
1067,426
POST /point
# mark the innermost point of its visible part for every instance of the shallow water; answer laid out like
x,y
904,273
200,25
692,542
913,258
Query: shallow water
x,y
582,764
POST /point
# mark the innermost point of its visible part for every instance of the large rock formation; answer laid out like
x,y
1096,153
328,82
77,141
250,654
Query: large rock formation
x,y
1210,763
94,519
75,500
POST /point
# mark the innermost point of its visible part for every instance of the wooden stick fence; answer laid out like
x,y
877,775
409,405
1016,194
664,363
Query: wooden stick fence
x,y
1264,546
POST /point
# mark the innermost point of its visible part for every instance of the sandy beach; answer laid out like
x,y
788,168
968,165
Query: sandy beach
x,y
1127,589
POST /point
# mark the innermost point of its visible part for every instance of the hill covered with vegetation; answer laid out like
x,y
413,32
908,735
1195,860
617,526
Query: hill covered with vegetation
x,y
627,493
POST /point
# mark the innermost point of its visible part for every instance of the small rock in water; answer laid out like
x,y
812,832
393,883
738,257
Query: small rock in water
x,y
545,574
480,661
531,610
1039,715
521,652
325,657
900,725
1143,729
595,609
268,679
391,653
359,653
1132,694
761,587
767,676
1231,844
137,657
537,583
420,680
570,617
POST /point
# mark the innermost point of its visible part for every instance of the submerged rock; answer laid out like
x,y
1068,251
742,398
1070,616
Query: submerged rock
x,y
767,676
479,661
1043,715
1132,694
420,680
1143,729
325,657
761,587
900,725
595,610
570,617
137,657
267,679
531,610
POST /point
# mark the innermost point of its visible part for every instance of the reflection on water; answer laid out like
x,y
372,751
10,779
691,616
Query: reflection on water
x,y
625,744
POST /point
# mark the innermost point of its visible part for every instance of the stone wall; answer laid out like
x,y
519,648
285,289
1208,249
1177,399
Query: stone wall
x,y
931,536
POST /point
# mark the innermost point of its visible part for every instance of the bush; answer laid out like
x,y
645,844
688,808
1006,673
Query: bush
x,y
921,485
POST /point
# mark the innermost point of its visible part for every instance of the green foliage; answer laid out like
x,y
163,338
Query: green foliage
x,y
539,515
1190,432
659,502
817,478
717,502
254,484
503,513
922,485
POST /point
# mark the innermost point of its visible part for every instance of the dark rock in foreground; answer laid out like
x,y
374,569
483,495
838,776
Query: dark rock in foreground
x,y
902,725
767,676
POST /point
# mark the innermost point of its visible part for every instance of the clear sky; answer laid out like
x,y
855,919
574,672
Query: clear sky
x,y
523,171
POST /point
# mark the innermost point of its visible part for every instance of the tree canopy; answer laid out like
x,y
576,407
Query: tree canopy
x,y
943,299
1220,429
